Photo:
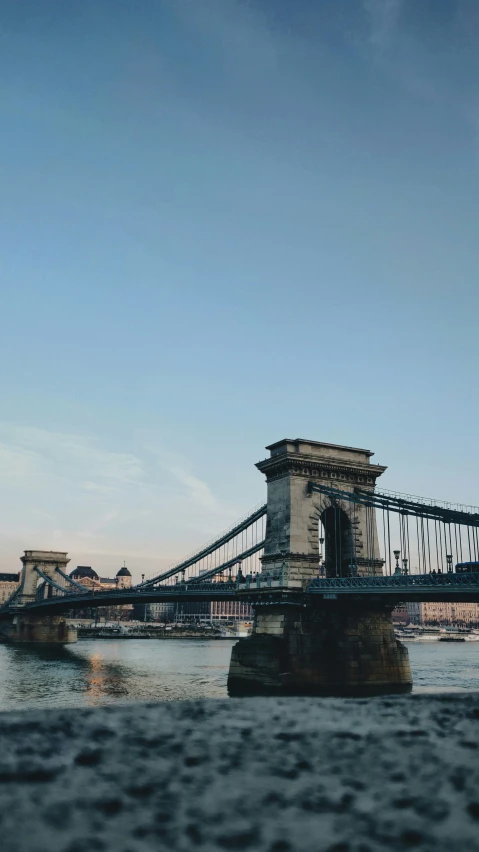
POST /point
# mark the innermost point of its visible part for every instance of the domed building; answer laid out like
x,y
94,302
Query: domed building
x,y
86,576
123,578
82,571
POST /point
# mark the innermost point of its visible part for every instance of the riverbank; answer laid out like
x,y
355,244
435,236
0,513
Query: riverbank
x,y
99,633
262,775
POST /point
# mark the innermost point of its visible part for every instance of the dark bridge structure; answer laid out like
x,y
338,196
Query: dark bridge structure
x,y
323,562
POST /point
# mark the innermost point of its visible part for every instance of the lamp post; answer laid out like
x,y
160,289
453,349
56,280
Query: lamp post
x,y
144,606
405,570
449,562
397,554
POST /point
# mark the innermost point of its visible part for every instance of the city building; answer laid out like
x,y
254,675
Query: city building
x,y
414,612
159,611
231,611
207,611
400,614
88,577
85,575
450,614
438,614
8,585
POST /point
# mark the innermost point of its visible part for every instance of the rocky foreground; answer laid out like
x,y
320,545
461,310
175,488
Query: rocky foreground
x,y
248,774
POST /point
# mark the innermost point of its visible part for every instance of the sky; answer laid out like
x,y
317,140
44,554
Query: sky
x,y
222,223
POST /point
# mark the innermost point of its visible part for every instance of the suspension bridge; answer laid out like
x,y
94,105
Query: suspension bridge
x,y
325,559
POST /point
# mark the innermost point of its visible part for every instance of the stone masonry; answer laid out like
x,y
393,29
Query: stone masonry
x,y
47,561
29,628
325,650
291,547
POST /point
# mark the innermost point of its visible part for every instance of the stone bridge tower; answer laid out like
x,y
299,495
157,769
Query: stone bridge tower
x,y
294,512
31,627
322,644
48,561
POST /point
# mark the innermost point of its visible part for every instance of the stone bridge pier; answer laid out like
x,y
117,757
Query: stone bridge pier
x,y
330,647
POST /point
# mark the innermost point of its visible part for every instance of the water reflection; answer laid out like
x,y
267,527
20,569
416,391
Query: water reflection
x,y
104,679
93,672
36,675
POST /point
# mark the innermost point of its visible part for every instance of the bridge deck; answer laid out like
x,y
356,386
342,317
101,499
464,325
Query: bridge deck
x,y
415,587
442,588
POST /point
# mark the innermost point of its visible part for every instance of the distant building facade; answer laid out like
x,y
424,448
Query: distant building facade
x,y
400,614
438,614
231,611
8,585
88,577
450,614
160,611
205,611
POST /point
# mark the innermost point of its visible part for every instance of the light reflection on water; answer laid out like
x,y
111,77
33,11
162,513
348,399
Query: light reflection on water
x,y
103,671
94,672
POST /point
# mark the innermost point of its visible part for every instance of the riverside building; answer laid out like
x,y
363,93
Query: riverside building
x,y
88,577
447,614
8,585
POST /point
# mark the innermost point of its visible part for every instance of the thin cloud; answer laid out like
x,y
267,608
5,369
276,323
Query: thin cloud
x,y
196,490
27,450
199,491
68,492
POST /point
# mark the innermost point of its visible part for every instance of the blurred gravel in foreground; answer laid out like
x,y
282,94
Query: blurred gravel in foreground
x,y
249,774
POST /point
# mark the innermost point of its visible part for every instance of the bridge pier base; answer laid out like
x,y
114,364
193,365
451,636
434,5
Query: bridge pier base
x,y
46,630
333,649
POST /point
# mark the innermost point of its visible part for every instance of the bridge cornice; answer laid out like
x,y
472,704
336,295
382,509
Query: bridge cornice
x,y
322,468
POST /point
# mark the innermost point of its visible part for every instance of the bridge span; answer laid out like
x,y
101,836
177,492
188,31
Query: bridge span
x,y
323,561
442,588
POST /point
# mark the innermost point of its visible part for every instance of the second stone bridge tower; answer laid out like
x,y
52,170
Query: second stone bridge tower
x,y
298,518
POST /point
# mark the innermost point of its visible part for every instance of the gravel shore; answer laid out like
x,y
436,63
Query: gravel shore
x,y
256,774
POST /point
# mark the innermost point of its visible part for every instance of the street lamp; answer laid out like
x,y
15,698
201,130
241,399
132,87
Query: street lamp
x,y
321,568
144,606
449,562
404,562
397,554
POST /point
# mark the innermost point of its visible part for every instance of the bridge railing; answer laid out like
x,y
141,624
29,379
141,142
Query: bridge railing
x,y
396,581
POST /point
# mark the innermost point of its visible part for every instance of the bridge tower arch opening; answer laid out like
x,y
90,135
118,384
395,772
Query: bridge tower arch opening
x,y
336,543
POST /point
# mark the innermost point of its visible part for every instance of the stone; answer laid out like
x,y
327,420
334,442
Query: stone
x,y
50,562
294,511
256,774
26,628
334,649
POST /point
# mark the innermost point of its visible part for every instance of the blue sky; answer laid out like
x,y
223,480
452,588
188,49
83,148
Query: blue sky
x,y
224,222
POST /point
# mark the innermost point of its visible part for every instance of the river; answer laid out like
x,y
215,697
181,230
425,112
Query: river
x,y
103,671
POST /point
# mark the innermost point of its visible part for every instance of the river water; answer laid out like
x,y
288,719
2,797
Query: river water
x,y
103,671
